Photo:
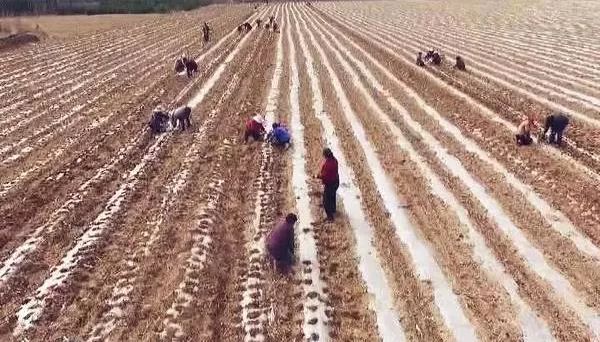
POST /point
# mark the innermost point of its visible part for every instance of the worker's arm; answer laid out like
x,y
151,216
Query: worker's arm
x,y
547,125
320,174
544,130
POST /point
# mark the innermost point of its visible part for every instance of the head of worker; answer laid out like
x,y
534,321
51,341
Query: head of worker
x,y
258,118
275,125
327,153
159,108
291,219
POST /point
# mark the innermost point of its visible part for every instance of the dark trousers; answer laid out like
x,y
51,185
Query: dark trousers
x,y
283,259
329,198
184,122
256,135
524,139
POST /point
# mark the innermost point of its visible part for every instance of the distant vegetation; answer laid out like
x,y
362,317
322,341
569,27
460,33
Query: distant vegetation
x,y
21,7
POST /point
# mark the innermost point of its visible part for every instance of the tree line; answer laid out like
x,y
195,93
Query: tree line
x,y
24,7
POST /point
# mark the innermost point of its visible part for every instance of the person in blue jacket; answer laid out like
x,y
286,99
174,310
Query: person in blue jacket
x,y
279,135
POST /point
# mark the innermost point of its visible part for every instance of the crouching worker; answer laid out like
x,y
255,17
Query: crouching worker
x,y
556,123
524,132
279,136
420,60
280,244
159,120
460,64
255,128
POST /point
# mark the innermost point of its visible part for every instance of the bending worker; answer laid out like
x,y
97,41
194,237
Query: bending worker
x,y
556,123
524,132
279,135
280,243
254,128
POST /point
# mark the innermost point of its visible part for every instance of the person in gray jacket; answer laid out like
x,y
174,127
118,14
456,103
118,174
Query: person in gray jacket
x,y
556,123
181,117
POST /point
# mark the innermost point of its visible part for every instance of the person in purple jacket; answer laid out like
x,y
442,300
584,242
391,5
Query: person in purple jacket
x,y
280,243
279,136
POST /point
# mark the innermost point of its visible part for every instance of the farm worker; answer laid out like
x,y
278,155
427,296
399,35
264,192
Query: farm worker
x,y
331,181
191,67
181,117
180,65
254,128
158,120
460,64
436,58
280,243
556,123
420,59
279,135
429,56
524,132
206,32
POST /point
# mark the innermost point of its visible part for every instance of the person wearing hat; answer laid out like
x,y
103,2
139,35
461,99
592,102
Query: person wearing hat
x,y
331,182
255,128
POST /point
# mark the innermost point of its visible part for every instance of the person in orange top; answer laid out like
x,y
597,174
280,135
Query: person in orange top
x,y
331,182
524,132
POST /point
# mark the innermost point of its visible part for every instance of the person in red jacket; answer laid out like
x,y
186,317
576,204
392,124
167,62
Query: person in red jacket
x,y
254,128
331,182
280,243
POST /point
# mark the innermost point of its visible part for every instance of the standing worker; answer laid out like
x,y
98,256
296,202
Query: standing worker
x,y
556,123
206,32
280,243
331,182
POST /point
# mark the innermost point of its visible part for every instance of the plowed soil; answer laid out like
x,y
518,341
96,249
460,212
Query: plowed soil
x,y
446,230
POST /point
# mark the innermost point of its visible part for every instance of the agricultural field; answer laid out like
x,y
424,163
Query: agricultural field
x,y
68,27
446,229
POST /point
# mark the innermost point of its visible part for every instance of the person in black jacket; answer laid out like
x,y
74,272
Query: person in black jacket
x,y
556,123
460,64
420,60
